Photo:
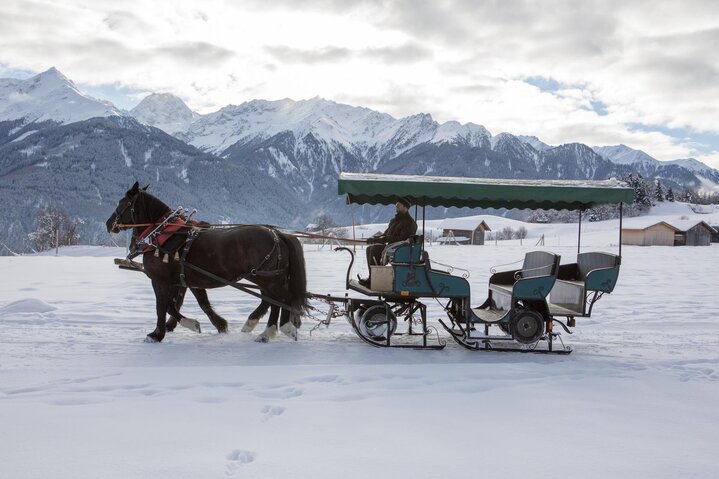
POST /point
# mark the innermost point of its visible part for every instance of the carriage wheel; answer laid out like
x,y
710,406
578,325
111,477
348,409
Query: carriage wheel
x,y
527,327
373,323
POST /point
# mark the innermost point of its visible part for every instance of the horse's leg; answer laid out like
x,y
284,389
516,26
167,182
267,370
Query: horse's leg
x,y
271,329
173,309
217,321
287,326
255,316
163,296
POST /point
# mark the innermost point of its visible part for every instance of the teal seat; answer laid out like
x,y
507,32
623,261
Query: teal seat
x,y
579,285
404,252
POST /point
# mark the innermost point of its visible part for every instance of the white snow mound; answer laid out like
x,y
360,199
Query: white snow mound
x,y
30,305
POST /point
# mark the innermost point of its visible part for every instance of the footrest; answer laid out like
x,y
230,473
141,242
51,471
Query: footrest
x,y
489,315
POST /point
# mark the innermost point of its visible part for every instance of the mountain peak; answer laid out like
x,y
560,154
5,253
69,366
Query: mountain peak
x,y
164,111
535,142
53,72
52,96
623,155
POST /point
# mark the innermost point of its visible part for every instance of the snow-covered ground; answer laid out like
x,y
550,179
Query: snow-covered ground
x,y
82,396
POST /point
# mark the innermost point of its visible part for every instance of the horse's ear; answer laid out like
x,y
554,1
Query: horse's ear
x,y
146,187
135,188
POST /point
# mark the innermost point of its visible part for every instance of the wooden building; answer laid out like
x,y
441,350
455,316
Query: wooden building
x,y
654,233
649,232
464,230
693,233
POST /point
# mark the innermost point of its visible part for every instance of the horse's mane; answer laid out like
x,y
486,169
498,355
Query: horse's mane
x,y
153,206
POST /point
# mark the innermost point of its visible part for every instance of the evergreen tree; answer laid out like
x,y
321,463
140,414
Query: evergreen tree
x,y
659,190
642,194
670,194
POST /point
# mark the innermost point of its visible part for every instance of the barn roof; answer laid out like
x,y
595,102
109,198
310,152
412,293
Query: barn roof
x,y
470,224
686,225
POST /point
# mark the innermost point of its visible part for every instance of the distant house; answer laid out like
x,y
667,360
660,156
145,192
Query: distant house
x,y
463,230
693,233
650,232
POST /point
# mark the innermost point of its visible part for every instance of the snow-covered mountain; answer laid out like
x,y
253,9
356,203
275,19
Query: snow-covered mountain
x,y
682,172
260,161
166,112
49,96
85,167
536,143
623,155
366,132
692,164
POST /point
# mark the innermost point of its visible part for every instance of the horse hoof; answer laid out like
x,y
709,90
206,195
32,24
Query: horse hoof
x,y
250,325
191,324
267,334
290,330
152,339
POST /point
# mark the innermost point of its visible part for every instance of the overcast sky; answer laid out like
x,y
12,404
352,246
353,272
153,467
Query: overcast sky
x,y
645,74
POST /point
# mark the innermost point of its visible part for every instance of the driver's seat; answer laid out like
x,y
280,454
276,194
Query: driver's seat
x,y
407,251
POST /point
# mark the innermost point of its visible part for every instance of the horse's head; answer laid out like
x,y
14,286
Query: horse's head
x,y
125,213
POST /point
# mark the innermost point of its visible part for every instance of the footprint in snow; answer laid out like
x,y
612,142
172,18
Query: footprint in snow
x,y
271,411
237,459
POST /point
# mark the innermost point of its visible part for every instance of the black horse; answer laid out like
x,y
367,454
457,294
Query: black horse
x,y
268,258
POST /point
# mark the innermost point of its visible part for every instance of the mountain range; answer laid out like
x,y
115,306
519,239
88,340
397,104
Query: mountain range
x,y
260,161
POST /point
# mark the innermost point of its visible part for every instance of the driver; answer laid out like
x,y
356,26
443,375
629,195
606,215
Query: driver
x,y
400,228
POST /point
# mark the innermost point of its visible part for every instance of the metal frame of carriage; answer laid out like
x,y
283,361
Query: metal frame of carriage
x,y
517,302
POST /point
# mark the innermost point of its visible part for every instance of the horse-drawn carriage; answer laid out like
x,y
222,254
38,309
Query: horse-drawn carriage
x,y
520,312
524,304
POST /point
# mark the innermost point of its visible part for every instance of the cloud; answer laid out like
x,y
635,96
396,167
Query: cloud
x,y
19,97
124,22
203,53
595,69
408,53
295,55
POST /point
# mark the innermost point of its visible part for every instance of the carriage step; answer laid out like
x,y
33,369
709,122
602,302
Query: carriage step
x,y
489,315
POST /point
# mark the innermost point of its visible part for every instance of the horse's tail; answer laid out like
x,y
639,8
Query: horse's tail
x,y
297,276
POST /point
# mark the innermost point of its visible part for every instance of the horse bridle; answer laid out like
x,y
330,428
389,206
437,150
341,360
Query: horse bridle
x,y
129,204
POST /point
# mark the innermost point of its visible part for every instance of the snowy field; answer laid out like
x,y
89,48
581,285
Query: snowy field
x,y
82,396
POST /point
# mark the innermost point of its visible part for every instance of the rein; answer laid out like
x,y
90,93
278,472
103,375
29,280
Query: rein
x,y
296,234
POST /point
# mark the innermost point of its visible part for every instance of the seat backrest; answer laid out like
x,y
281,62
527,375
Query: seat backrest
x,y
540,263
587,262
407,251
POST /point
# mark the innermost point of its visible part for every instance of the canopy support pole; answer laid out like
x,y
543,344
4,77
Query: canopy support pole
x,y
423,232
352,214
579,236
621,209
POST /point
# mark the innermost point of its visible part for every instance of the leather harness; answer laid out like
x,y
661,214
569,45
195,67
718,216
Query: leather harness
x,y
156,242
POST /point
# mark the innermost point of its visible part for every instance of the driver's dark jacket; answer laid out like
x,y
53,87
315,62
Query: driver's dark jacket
x,y
401,227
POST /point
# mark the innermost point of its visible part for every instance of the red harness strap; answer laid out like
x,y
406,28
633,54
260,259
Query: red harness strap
x,y
165,234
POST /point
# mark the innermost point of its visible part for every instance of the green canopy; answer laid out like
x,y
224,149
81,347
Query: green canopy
x,y
371,188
